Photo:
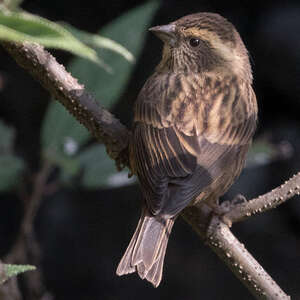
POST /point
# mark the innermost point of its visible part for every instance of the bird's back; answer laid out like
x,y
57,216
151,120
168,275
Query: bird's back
x,y
191,134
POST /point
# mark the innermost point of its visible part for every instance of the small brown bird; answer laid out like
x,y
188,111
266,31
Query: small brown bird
x,y
194,121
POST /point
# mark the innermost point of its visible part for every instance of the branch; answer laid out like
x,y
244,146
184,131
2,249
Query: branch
x,y
26,246
105,127
72,95
234,254
10,290
264,202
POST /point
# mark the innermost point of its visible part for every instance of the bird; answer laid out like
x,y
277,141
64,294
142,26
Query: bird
x,y
194,120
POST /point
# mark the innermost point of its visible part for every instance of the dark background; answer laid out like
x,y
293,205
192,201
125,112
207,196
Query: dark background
x,y
83,234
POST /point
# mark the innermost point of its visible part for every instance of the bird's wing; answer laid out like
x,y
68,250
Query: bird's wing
x,y
186,135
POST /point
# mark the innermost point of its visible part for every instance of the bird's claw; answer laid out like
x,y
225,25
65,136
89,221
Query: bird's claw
x,y
239,199
226,206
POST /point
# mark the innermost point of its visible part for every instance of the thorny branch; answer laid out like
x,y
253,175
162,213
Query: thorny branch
x,y
221,240
264,202
212,228
72,95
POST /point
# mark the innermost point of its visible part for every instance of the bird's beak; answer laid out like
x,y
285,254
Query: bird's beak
x,y
167,33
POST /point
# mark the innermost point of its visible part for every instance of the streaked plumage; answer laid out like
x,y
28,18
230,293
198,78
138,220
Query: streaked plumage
x,y
194,121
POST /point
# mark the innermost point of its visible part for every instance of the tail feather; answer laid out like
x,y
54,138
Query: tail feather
x,y
154,275
146,250
125,266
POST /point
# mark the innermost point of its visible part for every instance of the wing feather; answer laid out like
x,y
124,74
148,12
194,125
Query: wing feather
x,y
188,140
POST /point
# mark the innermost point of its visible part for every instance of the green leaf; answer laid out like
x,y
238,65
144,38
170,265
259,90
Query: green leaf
x,y
129,30
11,165
70,165
261,152
96,41
7,137
10,171
7,271
100,170
21,27
59,126
61,138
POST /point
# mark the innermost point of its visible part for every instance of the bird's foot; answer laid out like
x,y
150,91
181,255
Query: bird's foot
x,y
239,199
226,206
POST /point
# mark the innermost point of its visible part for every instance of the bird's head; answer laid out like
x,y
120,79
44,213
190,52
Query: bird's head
x,y
203,42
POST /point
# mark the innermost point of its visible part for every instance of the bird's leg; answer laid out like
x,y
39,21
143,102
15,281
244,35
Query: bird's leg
x,y
238,199
220,209
228,205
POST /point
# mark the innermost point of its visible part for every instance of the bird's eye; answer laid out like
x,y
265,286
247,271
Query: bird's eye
x,y
194,42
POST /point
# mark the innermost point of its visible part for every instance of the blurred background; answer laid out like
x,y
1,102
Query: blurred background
x,y
89,211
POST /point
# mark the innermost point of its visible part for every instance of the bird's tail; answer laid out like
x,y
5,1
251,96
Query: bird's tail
x,y
146,251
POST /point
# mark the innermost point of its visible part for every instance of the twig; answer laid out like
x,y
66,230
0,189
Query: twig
x,y
106,128
242,263
32,204
72,95
26,248
264,202
234,254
